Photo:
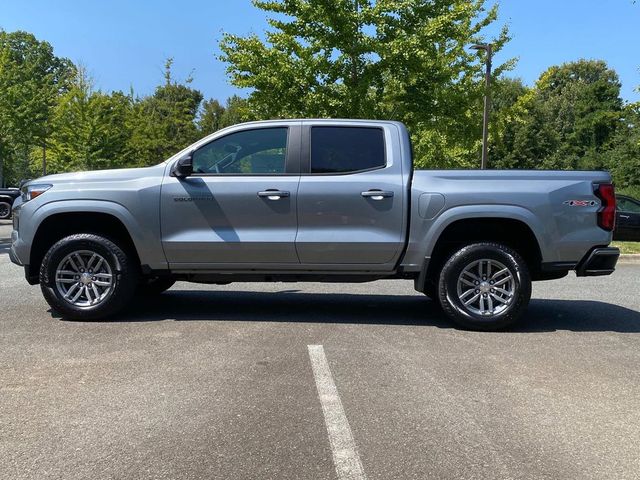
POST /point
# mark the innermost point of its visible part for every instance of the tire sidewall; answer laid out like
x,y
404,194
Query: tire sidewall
x,y
449,286
113,255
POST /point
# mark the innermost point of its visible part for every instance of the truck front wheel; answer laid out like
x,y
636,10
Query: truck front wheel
x,y
87,277
484,286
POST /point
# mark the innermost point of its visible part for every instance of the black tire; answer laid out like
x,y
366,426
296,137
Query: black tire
x,y
464,315
125,274
5,210
151,286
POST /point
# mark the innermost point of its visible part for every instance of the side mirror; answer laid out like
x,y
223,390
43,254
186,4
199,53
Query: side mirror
x,y
183,167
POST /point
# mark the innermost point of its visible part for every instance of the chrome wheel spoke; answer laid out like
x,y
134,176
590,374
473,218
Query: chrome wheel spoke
x,y
471,275
499,299
72,289
90,262
73,265
66,272
80,261
498,273
467,282
502,291
472,299
467,293
99,264
95,290
77,295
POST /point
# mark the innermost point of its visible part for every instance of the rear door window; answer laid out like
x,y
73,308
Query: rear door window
x,y
346,149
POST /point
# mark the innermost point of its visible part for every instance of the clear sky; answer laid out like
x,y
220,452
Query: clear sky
x,y
124,43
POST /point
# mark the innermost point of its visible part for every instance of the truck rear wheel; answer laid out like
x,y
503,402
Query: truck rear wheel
x,y
87,277
485,286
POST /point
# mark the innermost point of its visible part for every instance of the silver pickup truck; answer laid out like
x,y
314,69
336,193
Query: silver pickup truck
x,y
311,200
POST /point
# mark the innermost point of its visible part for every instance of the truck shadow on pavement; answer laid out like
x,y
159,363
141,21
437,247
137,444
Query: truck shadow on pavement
x,y
5,245
5,236
290,306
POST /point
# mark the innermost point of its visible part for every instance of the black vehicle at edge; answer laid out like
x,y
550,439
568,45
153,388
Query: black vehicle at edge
x,y
7,196
627,219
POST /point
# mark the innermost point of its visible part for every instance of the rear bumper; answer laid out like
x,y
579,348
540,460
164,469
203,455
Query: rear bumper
x,y
599,261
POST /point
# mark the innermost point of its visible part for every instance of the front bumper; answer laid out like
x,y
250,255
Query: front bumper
x,y
599,261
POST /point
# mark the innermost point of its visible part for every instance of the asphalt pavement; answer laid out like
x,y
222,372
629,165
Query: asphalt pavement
x,y
220,382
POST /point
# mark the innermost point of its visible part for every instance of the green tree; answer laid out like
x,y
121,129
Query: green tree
x,y
568,120
623,158
393,59
165,122
505,95
31,79
89,128
210,117
237,110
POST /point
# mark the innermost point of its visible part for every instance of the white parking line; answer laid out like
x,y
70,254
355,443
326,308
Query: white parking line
x,y
343,448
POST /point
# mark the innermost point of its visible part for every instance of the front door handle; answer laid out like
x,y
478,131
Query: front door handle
x,y
626,217
375,194
273,194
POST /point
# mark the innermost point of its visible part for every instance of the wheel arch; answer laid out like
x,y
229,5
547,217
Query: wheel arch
x,y
58,224
513,229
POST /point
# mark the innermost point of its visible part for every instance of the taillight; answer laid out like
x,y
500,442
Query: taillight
x,y
607,213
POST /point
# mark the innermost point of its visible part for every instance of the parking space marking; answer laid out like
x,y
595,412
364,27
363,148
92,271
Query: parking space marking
x,y
343,447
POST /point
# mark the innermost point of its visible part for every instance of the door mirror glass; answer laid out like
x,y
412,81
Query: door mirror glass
x,y
183,167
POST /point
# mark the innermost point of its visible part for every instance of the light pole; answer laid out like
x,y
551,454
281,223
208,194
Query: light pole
x,y
487,101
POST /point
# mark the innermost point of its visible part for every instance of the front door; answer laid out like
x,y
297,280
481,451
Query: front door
x,y
351,205
239,206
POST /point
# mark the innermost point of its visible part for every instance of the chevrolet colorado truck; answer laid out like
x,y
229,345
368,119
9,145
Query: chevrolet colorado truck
x,y
311,200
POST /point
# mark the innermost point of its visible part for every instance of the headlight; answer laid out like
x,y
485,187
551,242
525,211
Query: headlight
x,y
29,192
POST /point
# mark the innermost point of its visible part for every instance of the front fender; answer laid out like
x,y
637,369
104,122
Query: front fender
x,y
145,237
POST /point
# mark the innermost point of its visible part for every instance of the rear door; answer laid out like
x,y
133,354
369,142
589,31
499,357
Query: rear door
x,y
239,206
351,199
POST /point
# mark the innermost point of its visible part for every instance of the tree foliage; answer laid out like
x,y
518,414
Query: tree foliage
x,y
164,123
89,128
400,59
31,80
567,120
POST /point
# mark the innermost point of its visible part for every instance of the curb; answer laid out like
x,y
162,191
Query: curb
x,y
629,258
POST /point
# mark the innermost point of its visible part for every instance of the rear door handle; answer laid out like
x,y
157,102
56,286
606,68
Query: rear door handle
x,y
273,194
375,194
